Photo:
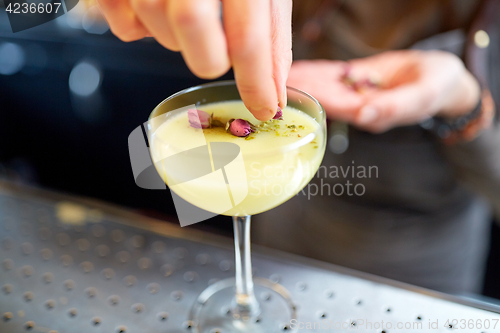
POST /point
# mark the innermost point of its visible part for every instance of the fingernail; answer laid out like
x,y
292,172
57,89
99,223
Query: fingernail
x,y
367,114
284,98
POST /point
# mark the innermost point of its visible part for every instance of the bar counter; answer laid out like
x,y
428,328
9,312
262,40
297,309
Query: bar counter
x,y
77,265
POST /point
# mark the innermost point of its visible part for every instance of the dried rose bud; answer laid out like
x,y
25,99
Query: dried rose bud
x,y
279,114
357,82
240,127
199,119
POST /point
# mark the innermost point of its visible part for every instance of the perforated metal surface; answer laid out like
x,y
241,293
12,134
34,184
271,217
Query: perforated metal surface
x,y
105,275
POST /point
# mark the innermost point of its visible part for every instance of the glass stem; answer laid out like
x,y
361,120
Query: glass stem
x,y
245,305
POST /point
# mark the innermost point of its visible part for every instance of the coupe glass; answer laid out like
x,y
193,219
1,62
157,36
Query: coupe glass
x,y
231,305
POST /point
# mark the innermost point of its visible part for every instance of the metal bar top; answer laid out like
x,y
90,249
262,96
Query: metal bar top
x,y
75,265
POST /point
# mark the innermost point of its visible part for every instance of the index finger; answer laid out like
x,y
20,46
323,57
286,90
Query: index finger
x,y
248,31
122,20
403,105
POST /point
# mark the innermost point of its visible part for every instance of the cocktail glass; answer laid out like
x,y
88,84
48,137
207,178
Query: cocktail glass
x,y
231,305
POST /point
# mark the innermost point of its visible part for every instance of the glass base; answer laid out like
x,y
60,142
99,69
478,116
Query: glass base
x,y
213,309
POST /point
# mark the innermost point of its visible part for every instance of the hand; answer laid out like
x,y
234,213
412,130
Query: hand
x,y
414,85
255,40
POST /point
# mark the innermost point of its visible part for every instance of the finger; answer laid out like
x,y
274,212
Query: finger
x,y
248,31
122,20
153,15
342,104
322,79
390,65
403,105
198,29
281,16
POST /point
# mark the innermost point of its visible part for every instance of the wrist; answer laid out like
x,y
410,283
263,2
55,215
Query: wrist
x,y
466,127
463,99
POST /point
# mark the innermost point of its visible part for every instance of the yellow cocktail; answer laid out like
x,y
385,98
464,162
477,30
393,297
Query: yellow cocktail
x,y
238,168
279,158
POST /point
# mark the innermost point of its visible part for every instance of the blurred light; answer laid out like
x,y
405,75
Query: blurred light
x,y
427,123
481,39
74,16
338,143
93,21
84,79
12,58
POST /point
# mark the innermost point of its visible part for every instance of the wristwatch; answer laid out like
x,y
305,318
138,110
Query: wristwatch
x,y
466,127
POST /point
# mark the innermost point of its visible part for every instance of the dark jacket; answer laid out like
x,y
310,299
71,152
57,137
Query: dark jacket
x,y
423,220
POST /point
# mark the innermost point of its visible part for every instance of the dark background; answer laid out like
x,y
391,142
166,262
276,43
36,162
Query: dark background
x,y
53,138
